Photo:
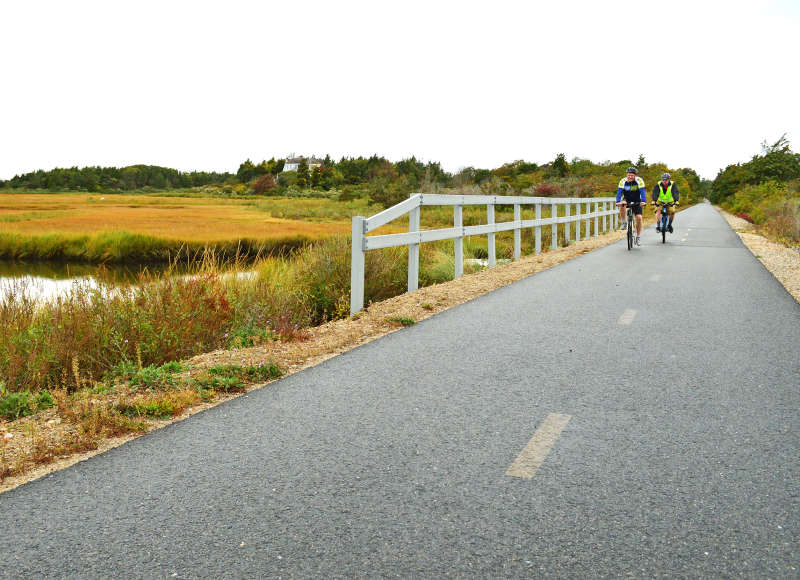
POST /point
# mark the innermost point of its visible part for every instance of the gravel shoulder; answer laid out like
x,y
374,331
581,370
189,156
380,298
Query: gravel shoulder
x,y
782,261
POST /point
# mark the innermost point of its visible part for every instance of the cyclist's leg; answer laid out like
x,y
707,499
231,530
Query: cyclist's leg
x,y
638,212
671,214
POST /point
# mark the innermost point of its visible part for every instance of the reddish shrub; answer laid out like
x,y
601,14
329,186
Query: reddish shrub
x,y
547,190
264,184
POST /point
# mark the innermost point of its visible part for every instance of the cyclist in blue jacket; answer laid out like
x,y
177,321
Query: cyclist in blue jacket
x,y
631,189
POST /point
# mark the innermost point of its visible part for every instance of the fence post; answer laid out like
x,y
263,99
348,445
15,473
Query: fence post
x,y
586,222
458,222
357,267
413,251
490,220
577,222
567,225
554,230
605,217
538,229
596,219
517,232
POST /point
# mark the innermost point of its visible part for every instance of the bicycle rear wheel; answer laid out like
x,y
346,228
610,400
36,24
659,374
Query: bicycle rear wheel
x,y
663,231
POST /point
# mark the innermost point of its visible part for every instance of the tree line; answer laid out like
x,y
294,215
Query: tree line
x,y
777,162
764,190
384,181
109,179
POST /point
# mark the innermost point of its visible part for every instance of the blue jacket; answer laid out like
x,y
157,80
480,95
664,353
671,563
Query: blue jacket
x,y
632,190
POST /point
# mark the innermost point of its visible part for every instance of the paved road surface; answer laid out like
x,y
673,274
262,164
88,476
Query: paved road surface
x,y
671,372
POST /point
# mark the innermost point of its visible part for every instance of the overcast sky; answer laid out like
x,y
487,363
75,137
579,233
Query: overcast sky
x,y
204,85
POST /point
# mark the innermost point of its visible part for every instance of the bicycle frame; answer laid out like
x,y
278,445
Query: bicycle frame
x,y
663,220
630,217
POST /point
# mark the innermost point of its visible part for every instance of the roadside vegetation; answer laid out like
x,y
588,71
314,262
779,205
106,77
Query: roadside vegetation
x,y
764,191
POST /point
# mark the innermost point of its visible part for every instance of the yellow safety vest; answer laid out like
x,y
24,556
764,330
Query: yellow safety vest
x,y
665,196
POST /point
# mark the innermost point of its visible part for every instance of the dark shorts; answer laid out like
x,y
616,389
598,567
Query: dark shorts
x,y
636,209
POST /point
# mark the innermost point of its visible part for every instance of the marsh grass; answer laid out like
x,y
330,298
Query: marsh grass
x,y
124,247
152,228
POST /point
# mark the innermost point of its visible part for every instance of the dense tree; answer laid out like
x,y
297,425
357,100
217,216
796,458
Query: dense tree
x,y
559,167
302,173
777,163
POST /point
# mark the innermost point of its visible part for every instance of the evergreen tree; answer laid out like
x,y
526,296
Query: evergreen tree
x,y
302,173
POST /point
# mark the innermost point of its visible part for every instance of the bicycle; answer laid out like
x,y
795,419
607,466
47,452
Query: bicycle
x,y
663,220
630,217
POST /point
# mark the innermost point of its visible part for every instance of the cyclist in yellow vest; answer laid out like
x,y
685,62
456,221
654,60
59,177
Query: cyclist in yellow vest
x,y
666,191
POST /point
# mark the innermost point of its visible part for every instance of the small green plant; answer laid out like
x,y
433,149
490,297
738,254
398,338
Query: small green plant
x,y
403,320
232,378
15,405
44,400
245,337
123,369
159,409
262,372
101,389
428,306
149,377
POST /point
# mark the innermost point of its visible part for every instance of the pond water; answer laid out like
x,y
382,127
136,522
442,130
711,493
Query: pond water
x,y
49,279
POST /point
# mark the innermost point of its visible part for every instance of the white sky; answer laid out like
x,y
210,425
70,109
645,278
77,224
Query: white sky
x,y
203,85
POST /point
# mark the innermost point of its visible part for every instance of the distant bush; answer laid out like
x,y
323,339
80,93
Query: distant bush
x,y
547,190
775,206
264,184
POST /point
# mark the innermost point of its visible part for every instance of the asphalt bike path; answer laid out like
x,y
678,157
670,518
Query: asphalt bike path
x,y
626,413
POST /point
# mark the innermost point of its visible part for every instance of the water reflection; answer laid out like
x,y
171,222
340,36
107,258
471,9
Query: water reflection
x,y
42,280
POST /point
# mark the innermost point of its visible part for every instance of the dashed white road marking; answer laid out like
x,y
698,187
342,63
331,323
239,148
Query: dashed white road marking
x,y
535,452
627,316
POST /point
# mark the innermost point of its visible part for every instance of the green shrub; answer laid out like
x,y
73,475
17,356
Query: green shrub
x,y
16,405
44,400
323,277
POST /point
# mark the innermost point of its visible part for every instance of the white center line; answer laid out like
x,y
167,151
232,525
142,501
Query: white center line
x,y
627,316
535,452
655,277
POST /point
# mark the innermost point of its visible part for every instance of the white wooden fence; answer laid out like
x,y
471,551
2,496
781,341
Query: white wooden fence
x,y
603,207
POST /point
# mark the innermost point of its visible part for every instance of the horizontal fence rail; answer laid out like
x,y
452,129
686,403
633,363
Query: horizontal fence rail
x,y
587,209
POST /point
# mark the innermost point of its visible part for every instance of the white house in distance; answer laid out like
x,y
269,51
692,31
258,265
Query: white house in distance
x,y
293,163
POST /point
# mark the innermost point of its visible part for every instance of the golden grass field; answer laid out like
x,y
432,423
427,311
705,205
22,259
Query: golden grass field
x,y
178,218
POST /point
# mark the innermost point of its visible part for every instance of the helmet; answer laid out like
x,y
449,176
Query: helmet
x,y
666,176
632,170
